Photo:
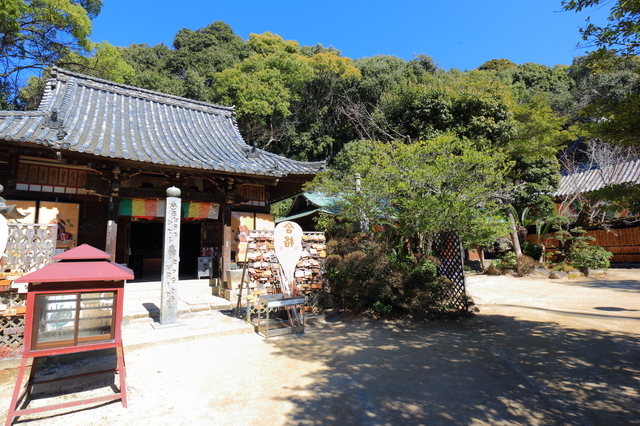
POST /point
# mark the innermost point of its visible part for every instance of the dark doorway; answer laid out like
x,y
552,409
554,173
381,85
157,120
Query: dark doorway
x,y
189,250
146,250
146,246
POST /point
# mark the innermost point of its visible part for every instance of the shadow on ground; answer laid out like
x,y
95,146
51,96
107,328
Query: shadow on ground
x,y
493,370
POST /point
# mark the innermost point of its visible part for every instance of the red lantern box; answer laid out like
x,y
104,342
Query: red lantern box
x,y
73,305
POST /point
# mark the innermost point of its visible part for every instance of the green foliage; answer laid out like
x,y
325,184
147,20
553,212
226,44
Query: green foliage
x,y
281,208
364,278
473,105
535,181
421,66
153,69
529,81
207,50
564,267
534,251
351,154
591,257
621,32
575,250
457,184
105,62
497,65
539,133
37,33
606,98
379,74
507,261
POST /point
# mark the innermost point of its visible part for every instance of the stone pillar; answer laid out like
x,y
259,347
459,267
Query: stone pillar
x,y
170,258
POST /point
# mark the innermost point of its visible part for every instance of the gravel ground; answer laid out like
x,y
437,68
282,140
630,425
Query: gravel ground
x,y
539,352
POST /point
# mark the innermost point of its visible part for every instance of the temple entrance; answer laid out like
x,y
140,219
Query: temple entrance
x,y
145,244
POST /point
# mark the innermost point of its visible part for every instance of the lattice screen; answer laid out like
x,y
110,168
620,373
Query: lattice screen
x,y
12,329
29,247
448,250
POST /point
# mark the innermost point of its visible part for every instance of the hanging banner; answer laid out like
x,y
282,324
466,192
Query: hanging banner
x,y
141,207
288,246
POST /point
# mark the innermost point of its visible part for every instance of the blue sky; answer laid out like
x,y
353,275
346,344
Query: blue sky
x,y
459,34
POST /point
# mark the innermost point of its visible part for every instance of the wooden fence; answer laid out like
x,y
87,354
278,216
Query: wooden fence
x,y
623,243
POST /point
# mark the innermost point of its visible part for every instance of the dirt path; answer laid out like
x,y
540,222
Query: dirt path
x,y
540,352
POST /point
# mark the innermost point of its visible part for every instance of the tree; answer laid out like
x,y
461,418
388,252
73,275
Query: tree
x,y
422,65
105,62
319,127
287,101
379,74
497,65
530,80
621,33
474,105
428,186
263,87
152,68
37,33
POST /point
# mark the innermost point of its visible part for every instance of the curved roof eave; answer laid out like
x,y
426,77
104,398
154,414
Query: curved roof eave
x,y
89,115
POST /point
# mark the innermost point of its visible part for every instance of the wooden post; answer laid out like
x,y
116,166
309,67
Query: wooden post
x,y
112,227
226,241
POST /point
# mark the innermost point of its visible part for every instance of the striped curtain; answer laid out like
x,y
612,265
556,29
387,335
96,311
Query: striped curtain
x,y
155,208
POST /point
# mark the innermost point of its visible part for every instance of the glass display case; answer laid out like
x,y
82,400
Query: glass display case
x,y
72,319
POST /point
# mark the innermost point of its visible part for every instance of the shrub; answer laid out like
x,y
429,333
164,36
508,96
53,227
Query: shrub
x,y
507,261
591,257
578,253
363,277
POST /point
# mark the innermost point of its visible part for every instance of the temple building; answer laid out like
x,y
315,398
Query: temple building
x,y
96,158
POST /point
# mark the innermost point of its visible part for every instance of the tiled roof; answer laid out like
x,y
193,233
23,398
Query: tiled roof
x,y
597,178
89,115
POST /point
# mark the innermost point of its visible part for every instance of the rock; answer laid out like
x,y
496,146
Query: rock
x,y
574,274
539,272
493,270
558,275
595,273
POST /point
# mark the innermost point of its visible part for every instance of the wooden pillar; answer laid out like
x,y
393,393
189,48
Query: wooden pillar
x,y
112,227
226,240
13,171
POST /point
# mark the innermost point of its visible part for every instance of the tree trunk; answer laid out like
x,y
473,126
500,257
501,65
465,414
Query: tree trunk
x,y
515,242
514,234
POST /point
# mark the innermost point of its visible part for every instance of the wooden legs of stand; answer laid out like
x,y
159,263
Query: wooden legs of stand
x,y
17,391
19,394
122,375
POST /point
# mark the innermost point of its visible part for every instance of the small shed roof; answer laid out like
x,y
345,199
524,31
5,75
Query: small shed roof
x,y
593,179
85,114
83,252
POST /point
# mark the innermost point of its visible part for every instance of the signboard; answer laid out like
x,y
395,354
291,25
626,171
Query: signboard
x,y
288,246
